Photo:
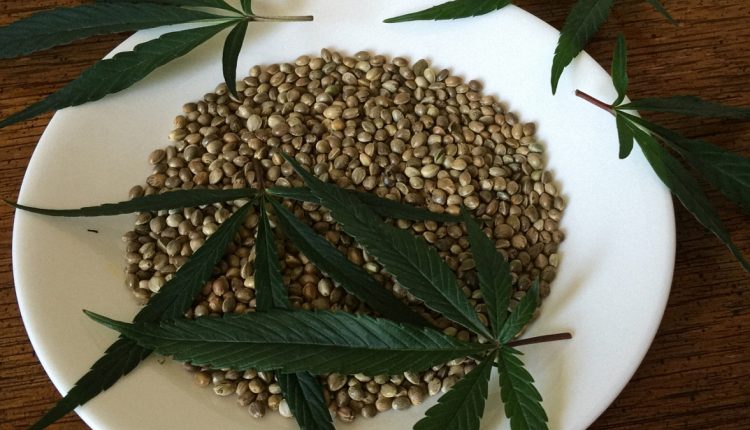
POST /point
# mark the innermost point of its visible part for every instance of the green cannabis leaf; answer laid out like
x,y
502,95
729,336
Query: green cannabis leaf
x,y
177,199
381,206
61,26
580,26
298,344
521,316
625,136
728,172
453,10
320,342
523,403
522,400
689,106
177,294
247,6
118,360
217,4
463,406
303,392
270,292
493,272
416,267
686,189
351,277
121,71
305,397
583,21
620,68
64,25
171,302
232,48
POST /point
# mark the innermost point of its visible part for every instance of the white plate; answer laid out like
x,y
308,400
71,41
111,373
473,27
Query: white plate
x,y
617,259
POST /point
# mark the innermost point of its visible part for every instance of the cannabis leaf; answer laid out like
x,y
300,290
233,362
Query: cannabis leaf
x,y
620,81
453,10
415,266
232,48
351,277
320,342
728,172
171,302
118,360
270,292
178,293
247,6
382,206
689,106
686,189
463,406
299,343
177,199
620,68
304,395
523,403
64,25
582,23
625,136
61,26
302,391
493,272
121,71
217,4
521,315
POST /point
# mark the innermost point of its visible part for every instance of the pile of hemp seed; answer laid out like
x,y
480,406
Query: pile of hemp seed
x,y
403,131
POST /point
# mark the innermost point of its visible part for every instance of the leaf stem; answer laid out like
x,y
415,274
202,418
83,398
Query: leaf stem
x,y
282,18
596,102
540,339
259,174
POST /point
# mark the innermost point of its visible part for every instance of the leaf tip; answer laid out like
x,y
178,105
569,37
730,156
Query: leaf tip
x,y
555,80
101,319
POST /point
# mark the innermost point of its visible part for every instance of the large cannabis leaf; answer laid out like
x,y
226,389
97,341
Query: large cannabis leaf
x,y
320,342
298,344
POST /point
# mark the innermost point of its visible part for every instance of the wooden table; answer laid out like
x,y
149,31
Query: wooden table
x,y
697,373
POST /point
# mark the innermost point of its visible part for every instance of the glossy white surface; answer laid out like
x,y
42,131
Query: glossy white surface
x,y
617,259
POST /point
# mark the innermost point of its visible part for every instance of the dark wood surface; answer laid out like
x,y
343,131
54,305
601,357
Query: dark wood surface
x,y
696,374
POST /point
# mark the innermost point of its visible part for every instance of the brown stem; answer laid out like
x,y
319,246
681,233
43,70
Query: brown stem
x,y
259,174
596,102
540,339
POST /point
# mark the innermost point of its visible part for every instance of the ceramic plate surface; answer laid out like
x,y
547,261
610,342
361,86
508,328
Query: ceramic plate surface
x,y
617,259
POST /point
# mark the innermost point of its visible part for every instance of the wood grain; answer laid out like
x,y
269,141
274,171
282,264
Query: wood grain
x,y
696,374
